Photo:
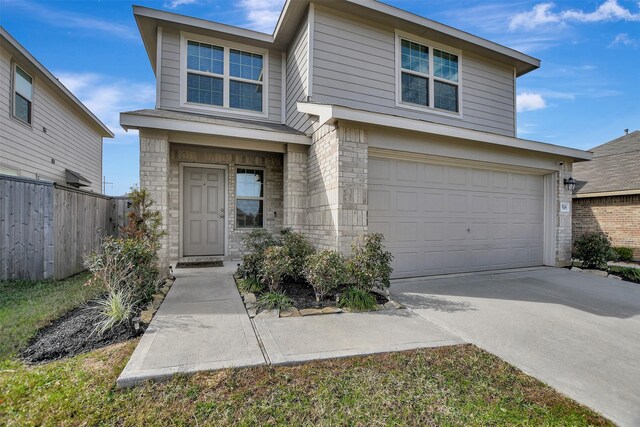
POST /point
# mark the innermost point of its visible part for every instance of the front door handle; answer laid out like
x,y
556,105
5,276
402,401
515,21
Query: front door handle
x,y
221,212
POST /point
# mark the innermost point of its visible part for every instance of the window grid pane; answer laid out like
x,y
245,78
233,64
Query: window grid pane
x,y
245,65
204,89
445,65
415,57
249,198
415,89
205,57
246,96
445,96
22,107
23,84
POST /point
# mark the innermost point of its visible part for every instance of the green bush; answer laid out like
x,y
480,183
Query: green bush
x,y
357,299
258,240
297,249
275,266
623,253
251,267
324,271
593,250
627,273
273,300
370,265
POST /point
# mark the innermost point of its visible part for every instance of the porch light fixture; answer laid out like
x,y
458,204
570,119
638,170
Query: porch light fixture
x,y
570,183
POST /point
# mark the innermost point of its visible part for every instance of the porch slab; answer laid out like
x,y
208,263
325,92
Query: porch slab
x,y
301,339
201,325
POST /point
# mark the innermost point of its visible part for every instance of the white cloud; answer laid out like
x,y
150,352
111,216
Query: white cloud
x,y
106,97
173,4
529,101
624,40
543,14
262,15
76,21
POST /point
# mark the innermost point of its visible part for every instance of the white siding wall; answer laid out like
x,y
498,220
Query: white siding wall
x,y
354,66
170,79
298,78
70,139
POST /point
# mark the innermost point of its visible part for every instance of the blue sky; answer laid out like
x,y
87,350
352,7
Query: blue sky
x,y
585,93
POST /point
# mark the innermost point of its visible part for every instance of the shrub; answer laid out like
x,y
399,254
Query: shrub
x,y
297,248
144,223
357,299
623,253
628,273
117,308
324,271
370,265
250,284
273,300
251,267
593,250
275,266
258,240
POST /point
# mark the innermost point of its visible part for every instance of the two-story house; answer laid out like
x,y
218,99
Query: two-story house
x,y
45,131
353,116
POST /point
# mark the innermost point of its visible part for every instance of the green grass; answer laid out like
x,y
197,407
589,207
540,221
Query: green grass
x,y
26,306
357,299
457,386
274,300
628,273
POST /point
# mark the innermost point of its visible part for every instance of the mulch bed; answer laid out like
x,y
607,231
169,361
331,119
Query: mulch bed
x,y
71,335
303,296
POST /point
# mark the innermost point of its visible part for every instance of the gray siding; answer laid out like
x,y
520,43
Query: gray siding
x,y
298,78
70,139
354,66
170,79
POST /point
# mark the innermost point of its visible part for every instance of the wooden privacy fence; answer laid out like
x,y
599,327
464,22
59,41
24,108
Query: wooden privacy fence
x,y
46,228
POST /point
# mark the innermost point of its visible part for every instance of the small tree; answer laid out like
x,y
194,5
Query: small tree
x,y
370,265
593,249
274,267
144,222
324,271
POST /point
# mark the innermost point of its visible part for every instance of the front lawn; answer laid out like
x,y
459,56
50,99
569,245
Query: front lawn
x,y
460,385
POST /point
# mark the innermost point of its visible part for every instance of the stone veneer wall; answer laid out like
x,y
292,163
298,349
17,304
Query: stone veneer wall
x,y
563,220
273,205
154,172
337,187
618,216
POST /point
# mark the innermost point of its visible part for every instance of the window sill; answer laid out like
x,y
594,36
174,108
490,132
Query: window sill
x,y
223,110
432,110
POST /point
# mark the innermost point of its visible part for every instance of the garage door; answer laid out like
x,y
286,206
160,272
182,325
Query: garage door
x,y
440,219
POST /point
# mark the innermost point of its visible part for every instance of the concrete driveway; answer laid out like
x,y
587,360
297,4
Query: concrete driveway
x,y
574,331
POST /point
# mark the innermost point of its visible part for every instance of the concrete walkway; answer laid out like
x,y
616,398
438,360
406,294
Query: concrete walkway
x,y
201,325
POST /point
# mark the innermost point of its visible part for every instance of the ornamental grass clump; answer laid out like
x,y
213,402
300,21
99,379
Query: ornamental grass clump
x,y
274,300
357,299
370,265
325,271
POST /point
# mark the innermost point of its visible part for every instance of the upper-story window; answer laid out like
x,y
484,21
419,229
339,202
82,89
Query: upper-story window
x,y
428,76
223,76
22,95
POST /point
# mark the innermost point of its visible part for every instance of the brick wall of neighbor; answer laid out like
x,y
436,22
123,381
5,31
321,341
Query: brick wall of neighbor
x,y
273,205
563,220
154,167
295,187
618,216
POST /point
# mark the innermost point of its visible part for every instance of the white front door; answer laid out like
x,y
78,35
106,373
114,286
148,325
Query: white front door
x,y
440,219
204,211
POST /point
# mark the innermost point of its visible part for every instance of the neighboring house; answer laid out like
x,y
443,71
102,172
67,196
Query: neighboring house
x,y
607,193
353,116
45,131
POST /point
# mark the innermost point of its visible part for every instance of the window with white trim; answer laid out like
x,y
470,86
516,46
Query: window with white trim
x,y
221,76
249,198
22,95
429,77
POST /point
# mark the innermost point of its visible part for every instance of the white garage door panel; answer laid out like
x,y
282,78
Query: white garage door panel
x,y
446,219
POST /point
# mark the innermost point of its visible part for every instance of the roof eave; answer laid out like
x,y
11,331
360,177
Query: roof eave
x,y
105,131
332,113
